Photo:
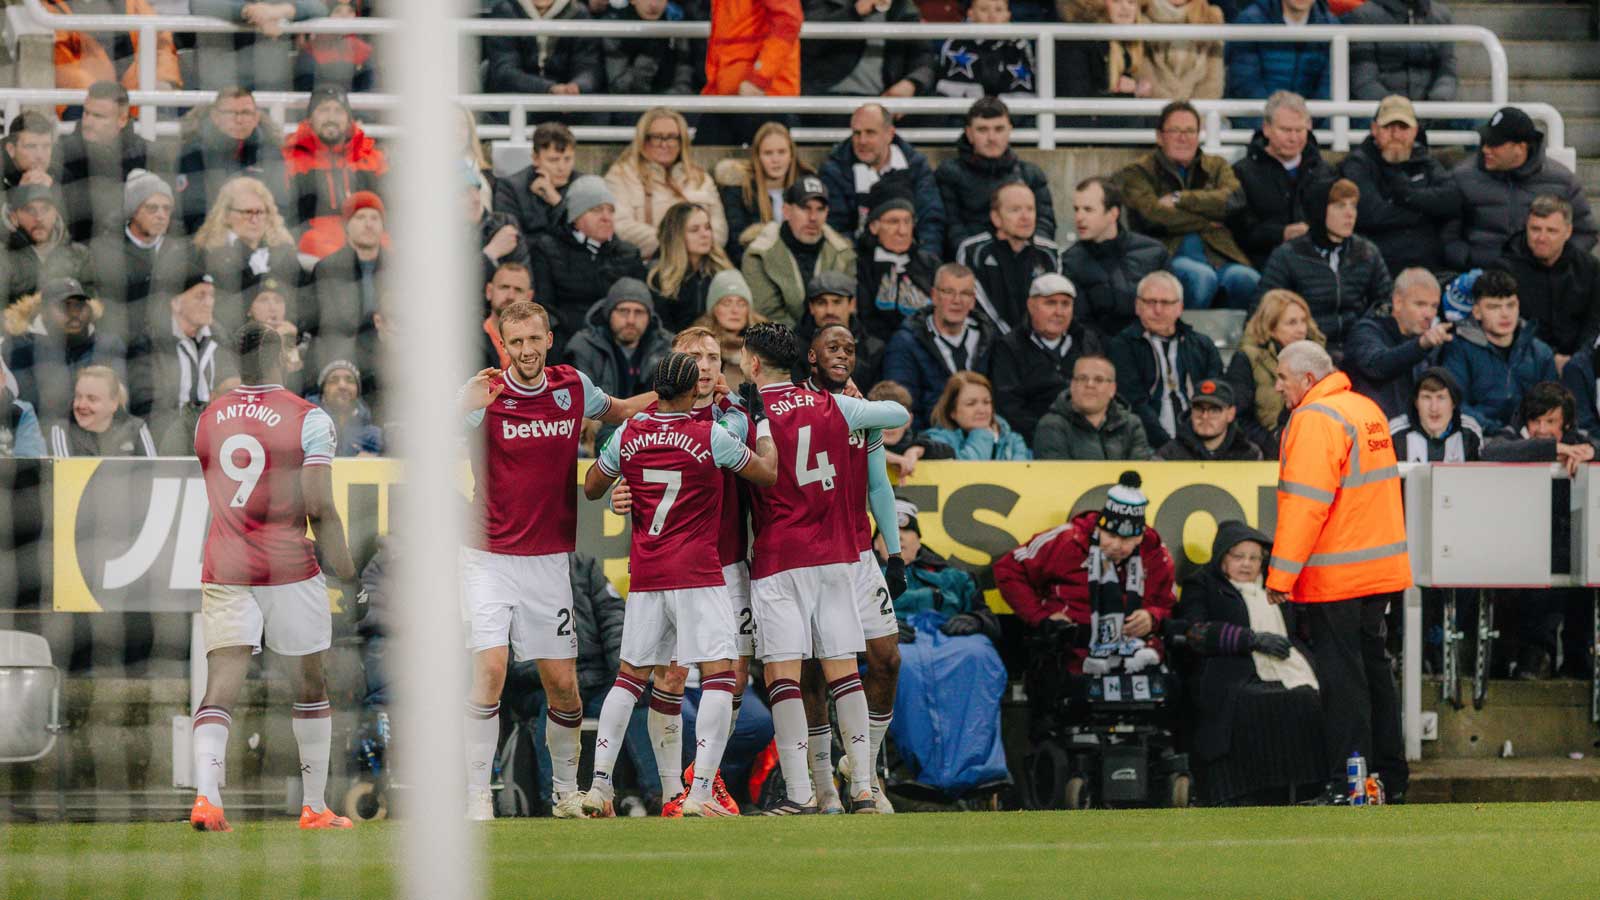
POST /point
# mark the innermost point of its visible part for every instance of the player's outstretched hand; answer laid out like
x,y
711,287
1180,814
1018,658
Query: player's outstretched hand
x,y
481,390
621,498
894,574
751,395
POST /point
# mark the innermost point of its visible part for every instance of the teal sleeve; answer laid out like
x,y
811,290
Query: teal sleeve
x,y
595,401
872,413
735,420
728,451
880,496
610,461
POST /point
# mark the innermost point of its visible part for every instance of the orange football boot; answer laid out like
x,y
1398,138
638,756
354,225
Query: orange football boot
x,y
310,821
205,817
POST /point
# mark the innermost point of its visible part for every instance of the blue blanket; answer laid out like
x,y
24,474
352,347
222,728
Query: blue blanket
x,y
947,711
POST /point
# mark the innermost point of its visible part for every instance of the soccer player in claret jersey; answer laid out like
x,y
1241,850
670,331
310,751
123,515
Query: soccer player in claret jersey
x,y
679,607
266,456
515,587
833,357
665,717
801,586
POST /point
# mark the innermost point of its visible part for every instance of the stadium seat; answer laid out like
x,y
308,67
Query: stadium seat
x,y
30,693
1225,327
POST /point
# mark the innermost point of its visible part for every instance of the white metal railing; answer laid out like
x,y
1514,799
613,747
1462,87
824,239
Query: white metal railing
x,y
1338,37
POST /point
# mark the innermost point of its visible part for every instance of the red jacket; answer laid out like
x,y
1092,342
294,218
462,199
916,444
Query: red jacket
x,y
1049,574
321,177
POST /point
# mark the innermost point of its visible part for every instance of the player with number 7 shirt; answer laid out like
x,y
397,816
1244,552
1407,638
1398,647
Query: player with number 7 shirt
x,y
801,586
679,604
516,591
266,455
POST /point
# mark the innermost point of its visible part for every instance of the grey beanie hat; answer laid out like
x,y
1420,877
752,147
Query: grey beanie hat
x,y
727,283
141,186
585,194
630,290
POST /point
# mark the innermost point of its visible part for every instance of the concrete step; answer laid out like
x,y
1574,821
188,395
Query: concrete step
x,y
1539,718
1534,59
1583,133
1520,780
1571,97
1529,21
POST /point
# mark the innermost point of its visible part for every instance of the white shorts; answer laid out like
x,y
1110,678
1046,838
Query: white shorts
x,y
736,577
687,626
807,613
294,618
872,598
525,601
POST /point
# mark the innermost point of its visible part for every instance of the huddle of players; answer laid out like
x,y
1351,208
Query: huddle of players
x,y
811,589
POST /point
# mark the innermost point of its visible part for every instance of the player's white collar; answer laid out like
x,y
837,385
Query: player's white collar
x,y
779,386
512,384
258,388
659,415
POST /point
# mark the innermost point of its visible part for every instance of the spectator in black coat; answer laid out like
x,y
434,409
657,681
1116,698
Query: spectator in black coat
x,y
984,160
498,237
143,261
831,300
1210,433
752,189
1160,359
1578,377
29,145
1032,365
1281,163
576,265
524,64
654,66
242,241
1433,428
533,196
98,423
94,160
894,274
1109,69
232,140
1007,258
45,362
872,153
1108,260
1424,70
1407,196
176,369
1340,274
347,285
940,340
1558,284
865,68
687,259
1389,347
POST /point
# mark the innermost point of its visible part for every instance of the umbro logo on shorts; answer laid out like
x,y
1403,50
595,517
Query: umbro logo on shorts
x,y
511,430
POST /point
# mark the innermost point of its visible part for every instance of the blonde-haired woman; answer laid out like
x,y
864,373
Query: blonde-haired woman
x,y
688,260
729,312
752,189
655,172
1183,70
242,242
100,424
1281,318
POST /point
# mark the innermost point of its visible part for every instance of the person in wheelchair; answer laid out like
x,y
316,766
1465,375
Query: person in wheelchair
x,y
1253,712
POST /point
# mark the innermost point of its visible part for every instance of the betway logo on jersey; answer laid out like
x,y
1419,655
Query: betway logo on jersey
x,y
536,429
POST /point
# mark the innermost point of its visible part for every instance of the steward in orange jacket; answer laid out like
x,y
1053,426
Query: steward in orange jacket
x,y
81,59
756,41
1341,528
1340,553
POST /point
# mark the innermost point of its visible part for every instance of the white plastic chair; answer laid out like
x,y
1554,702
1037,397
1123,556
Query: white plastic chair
x,y
30,698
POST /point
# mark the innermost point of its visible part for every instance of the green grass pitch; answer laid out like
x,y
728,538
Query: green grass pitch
x,y
1463,851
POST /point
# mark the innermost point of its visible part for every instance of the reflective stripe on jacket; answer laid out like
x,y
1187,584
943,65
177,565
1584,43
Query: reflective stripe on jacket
x,y
1341,527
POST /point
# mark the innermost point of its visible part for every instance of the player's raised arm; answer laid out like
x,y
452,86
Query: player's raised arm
x,y
761,466
872,413
476,395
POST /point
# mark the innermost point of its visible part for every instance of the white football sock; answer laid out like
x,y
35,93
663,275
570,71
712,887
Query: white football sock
x,y
789,731
483,734
563,736
819,743
877,727
210,743
711,731
850,705
614,714
665,722
313,732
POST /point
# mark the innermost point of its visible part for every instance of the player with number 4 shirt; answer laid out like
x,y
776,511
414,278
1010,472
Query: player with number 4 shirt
x,y
516,590
679,606
266,455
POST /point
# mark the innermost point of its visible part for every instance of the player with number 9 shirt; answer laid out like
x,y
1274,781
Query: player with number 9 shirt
x,y
679,606
516,592
266,456
801,587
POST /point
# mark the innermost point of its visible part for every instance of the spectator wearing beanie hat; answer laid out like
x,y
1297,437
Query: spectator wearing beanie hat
x,y
347,282
339,395
328,158
728,313
143,260
621,343
575,264
894,273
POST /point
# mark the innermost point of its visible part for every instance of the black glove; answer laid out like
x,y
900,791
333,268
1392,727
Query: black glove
x,y
961,625
751,395
894,575
908,635
1271,644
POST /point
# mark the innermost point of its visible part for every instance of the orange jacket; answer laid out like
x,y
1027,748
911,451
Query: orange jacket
x,y
81,60
756,41
1341,527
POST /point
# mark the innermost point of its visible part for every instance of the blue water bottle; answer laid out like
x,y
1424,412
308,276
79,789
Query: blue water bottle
x,y
1355,773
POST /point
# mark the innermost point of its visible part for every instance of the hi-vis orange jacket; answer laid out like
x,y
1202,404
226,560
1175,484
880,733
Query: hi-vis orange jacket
x,y
1341,527
756,41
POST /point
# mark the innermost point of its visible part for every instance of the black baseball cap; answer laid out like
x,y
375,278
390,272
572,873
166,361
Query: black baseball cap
x,y
804,189
60,290
1508,125
1214,392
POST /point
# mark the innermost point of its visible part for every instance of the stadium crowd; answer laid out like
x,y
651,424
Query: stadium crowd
x,y
1464,299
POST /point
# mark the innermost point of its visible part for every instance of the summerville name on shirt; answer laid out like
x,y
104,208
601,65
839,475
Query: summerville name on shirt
x,y
666,439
